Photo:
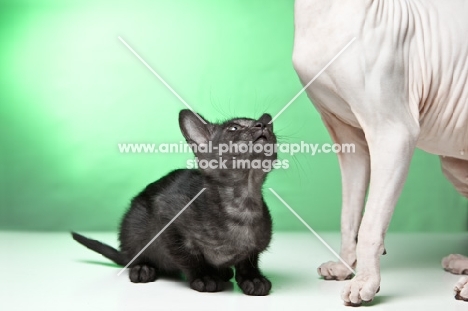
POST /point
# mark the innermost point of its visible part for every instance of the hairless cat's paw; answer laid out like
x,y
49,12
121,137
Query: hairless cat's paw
x,y
456,264
362,288
142,274
334,271
461,289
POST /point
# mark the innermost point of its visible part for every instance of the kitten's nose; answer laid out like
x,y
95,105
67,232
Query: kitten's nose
x,y
260,125
264,121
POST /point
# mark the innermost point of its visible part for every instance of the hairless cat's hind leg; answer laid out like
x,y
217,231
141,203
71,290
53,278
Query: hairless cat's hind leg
x,y
456,171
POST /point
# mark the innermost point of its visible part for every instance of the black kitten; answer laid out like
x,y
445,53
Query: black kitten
x,y
227,225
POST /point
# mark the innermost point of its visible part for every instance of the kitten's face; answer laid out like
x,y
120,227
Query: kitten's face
x,y
236,135
239,143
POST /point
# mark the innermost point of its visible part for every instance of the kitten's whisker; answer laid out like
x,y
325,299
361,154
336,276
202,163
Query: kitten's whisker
x,y
160,232
215,104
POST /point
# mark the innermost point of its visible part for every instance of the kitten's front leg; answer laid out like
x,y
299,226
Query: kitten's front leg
x,y
250,279
205,278
143,273
201,275
225,274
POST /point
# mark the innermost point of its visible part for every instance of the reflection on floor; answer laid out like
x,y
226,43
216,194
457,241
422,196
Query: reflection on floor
x,y
42,271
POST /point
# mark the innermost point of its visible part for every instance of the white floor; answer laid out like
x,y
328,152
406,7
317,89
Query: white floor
x,y
45,271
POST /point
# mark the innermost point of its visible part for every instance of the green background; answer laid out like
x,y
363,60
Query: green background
x,y
70,91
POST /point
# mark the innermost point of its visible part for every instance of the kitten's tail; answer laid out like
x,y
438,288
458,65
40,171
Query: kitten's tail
x,y
101,248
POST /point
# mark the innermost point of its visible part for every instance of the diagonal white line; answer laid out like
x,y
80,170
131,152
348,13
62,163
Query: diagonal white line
x,y
162,230
160,78
312,81
312,230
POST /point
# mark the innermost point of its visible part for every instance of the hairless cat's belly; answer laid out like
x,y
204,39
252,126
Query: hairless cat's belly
x,y
421,38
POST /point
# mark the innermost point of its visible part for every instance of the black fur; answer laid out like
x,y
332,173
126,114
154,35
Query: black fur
x,y
103,249
228,225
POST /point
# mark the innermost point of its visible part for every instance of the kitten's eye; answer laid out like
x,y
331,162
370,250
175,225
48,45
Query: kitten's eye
x,y
233,128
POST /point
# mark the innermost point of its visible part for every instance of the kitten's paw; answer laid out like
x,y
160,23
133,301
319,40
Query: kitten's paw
x,y
456,264
334,271
461,289
142,274
226,274
256,286
207,284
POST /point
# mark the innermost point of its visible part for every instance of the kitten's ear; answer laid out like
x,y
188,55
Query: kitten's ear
x,y
194,127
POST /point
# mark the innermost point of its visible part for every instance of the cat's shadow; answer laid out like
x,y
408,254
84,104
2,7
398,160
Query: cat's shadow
x,y
286,280
279,280
178,278
166,276
100,263
378,300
